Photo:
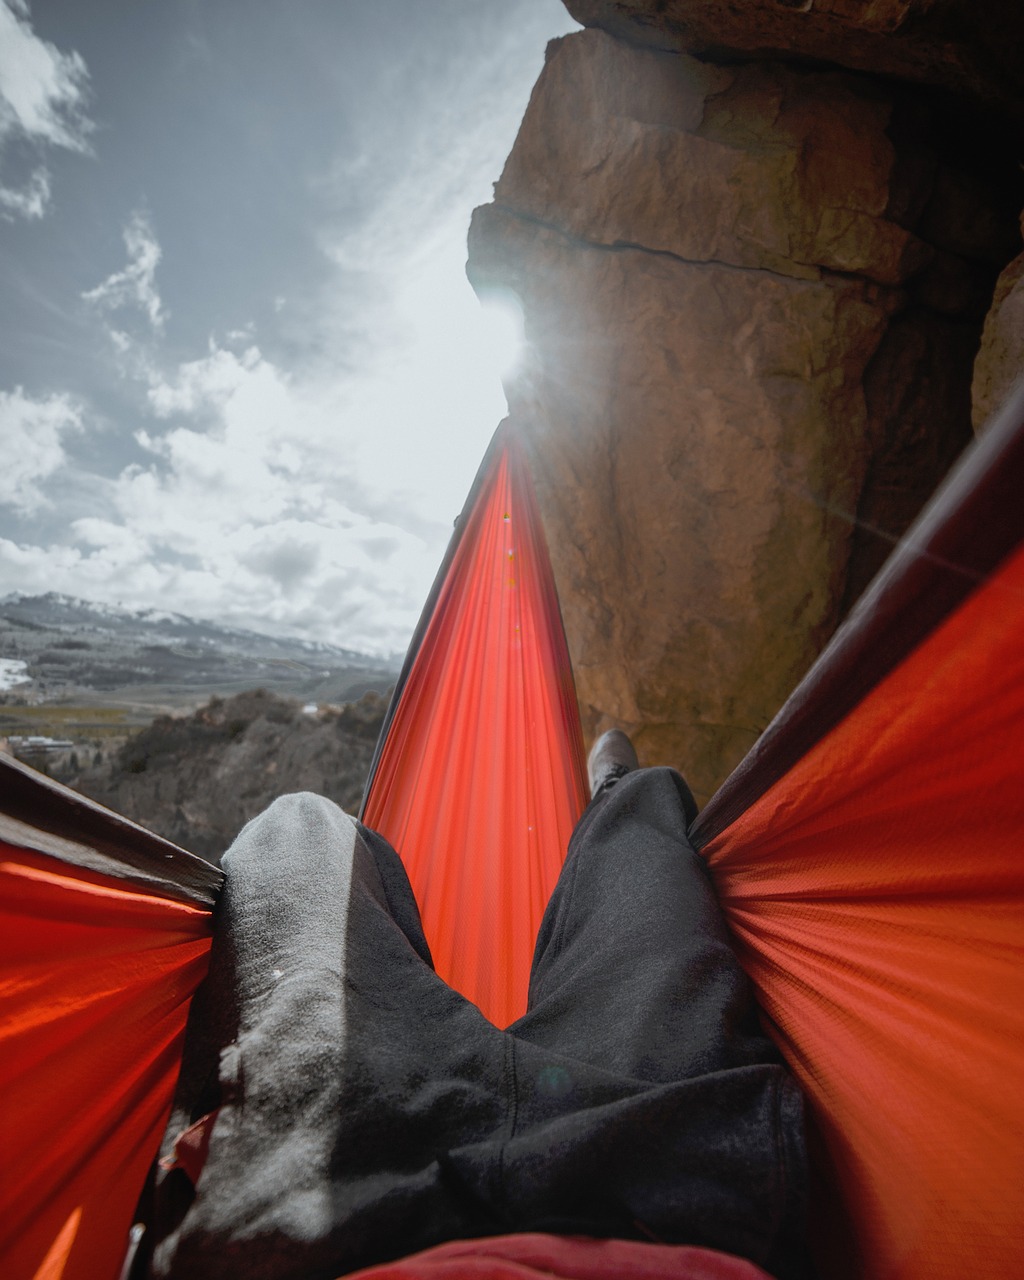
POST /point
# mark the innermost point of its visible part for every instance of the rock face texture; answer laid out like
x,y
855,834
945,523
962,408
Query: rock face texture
x,y
752,297
1000,361
949,43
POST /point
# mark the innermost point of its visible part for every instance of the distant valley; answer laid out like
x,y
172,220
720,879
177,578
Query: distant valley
x,y
154,713
118,666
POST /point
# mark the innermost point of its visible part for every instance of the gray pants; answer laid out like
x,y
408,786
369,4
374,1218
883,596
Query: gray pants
x,y
367,1110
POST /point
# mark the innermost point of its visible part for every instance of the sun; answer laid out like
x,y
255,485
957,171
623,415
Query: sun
x,y
501,337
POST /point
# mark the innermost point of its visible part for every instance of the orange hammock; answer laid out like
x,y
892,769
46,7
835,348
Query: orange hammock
x,y
865,854
482,755
104,935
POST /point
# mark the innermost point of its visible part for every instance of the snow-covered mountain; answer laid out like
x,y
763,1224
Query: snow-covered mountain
x,y
69,646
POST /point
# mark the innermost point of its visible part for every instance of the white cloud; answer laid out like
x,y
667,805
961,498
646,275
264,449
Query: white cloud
x,y
135,285
42,104
246,392
287,556
31,200
242,510
31,434
420,403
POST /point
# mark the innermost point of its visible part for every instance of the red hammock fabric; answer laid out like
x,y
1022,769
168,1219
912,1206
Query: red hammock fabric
x,y
876,894
95,982
481,777
868,857
545,1257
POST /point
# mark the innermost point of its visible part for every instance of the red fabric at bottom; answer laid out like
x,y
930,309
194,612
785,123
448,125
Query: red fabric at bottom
x,y
191,1147
520,1257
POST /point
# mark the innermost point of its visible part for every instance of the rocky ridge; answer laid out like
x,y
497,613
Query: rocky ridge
x,y
198,779
753,293
1000,362
942,43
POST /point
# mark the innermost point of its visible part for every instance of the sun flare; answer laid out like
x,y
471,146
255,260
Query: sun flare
x,y
501,332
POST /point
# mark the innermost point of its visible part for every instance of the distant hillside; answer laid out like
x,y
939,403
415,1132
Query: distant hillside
x,y
198,779
58,647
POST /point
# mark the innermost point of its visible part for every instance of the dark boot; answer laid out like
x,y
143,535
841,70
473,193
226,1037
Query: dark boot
x,y
611,758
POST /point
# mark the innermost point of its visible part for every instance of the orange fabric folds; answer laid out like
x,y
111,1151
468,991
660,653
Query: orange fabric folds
x,y
95,983
876,892
480,775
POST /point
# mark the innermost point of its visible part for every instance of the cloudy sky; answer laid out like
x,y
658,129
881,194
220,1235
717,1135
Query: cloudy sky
x,y
242,374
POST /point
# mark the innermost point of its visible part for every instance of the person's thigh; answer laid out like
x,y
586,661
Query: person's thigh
x,y
633,970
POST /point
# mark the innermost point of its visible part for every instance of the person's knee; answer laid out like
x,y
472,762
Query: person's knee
x,y
304,805
294,820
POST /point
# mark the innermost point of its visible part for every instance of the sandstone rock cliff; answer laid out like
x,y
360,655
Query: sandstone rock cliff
x,y
752,294
1000,361
952,43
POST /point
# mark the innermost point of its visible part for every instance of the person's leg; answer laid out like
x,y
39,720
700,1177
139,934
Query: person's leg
x,y
633,970
648,1100
347,1067
367,1110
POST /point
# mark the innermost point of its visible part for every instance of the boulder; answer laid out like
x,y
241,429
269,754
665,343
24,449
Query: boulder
x,y
696,511
743,301
1000,362
951,44
754,166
